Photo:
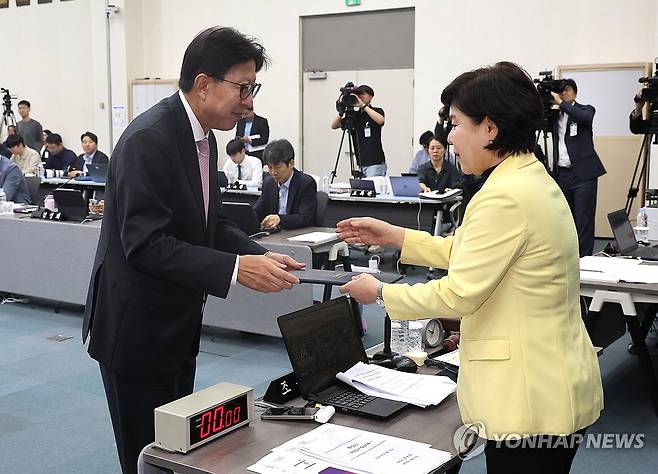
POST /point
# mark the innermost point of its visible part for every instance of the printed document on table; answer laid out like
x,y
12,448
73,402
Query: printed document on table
x,y
315,237
363,451
418,389
618,269
294,462
451,358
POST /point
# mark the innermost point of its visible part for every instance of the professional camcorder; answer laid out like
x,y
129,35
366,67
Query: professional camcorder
x,y
346,101
6,99
649,94
545,85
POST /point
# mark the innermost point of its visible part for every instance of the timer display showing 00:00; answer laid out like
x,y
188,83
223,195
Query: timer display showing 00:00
x,y
217,419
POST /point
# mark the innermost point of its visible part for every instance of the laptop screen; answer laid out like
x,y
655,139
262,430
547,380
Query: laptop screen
x,y
321,341
622,230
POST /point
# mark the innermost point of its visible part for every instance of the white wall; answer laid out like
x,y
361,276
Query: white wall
x,y
67,84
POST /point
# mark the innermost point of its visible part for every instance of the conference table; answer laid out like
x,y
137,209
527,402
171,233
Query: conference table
x,y
627,295
435,425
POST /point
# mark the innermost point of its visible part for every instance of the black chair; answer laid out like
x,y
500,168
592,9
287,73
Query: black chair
x,y
321,209
33,183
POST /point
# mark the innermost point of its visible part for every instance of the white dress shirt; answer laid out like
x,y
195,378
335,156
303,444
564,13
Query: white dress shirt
x,y
563,159
283,196
251,170
197,131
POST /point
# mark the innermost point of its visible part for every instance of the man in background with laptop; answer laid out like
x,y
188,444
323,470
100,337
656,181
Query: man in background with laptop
x,y
289,197
91,155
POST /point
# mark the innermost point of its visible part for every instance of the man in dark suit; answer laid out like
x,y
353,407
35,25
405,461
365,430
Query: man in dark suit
x,y
289,197
91,155
165,244
638,124
577,166
253,125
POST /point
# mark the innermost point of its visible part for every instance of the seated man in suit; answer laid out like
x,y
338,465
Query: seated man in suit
x,y
59,157
91,155
252,125
13,182
289,197
241,167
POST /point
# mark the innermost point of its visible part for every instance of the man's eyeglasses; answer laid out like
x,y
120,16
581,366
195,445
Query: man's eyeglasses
x,y
246,90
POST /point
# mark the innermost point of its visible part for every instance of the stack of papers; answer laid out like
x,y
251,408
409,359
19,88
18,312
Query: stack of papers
x,y
437,195
417,389
615,269
315,237
451,358
339,449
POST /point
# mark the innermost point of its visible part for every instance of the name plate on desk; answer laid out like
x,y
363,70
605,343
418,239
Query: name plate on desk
x,y
282,390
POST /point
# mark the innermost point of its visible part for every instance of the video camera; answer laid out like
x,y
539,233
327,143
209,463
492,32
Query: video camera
x,y
545,85
346,101
6,99
649,94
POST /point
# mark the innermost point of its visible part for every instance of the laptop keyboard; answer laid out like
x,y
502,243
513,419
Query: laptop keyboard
x,y
348,399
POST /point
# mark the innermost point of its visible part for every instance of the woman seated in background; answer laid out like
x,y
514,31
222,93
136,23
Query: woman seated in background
x,y
439,174
529,381
422,155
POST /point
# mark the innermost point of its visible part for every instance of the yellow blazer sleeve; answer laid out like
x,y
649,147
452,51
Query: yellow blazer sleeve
x,y
420,248
490,240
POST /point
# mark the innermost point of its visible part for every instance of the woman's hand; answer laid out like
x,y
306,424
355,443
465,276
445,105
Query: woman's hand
x,y
369,231
363,288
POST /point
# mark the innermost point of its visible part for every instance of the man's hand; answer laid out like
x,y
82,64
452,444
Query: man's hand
x,y
264,274
363,288
556,98
369,231
74,173
270,222
245,139
358,101
288,261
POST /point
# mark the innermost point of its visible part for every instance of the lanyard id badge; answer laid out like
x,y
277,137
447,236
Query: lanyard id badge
x,y
366,130
573,129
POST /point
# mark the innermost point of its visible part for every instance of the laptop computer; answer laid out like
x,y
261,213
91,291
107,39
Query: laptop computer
x,y
222,179
244,216
625,237
98,172
321,341
405,186
72,205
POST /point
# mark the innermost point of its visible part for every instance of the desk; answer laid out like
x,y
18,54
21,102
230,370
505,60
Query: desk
x,y
626,295
242,448
402,211
48,184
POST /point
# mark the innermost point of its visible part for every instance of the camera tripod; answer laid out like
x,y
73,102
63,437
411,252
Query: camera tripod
x,y
547,127
643,157
353,146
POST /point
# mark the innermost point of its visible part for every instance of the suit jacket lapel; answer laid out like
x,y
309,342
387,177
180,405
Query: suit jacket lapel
x,y
292,190
189,156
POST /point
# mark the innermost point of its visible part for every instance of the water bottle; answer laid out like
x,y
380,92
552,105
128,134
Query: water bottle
x,y
399,331
40,170
415,337
325,183
3,202
642,218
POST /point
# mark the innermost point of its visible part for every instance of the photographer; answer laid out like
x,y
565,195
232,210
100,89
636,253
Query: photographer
x,y
578,165
367,124
638,125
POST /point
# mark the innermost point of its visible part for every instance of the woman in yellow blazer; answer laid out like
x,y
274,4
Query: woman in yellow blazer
x,y
527,365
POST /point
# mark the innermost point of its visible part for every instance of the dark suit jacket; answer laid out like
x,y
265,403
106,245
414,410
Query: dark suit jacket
x,y
584,160
157,259
259,127
301,205
638,125
99,158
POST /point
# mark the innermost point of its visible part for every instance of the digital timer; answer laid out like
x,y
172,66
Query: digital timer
x,y
196,419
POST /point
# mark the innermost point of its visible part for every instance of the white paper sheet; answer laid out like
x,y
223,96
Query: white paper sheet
x,y
315,237
451,358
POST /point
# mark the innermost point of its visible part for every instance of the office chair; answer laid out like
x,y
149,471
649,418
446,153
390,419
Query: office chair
x,y
33,184
321,208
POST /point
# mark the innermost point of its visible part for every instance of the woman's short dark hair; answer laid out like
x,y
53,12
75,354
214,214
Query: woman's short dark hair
x,y
234,146
505,93
424,139
216,50
278,151
92,136
54,139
